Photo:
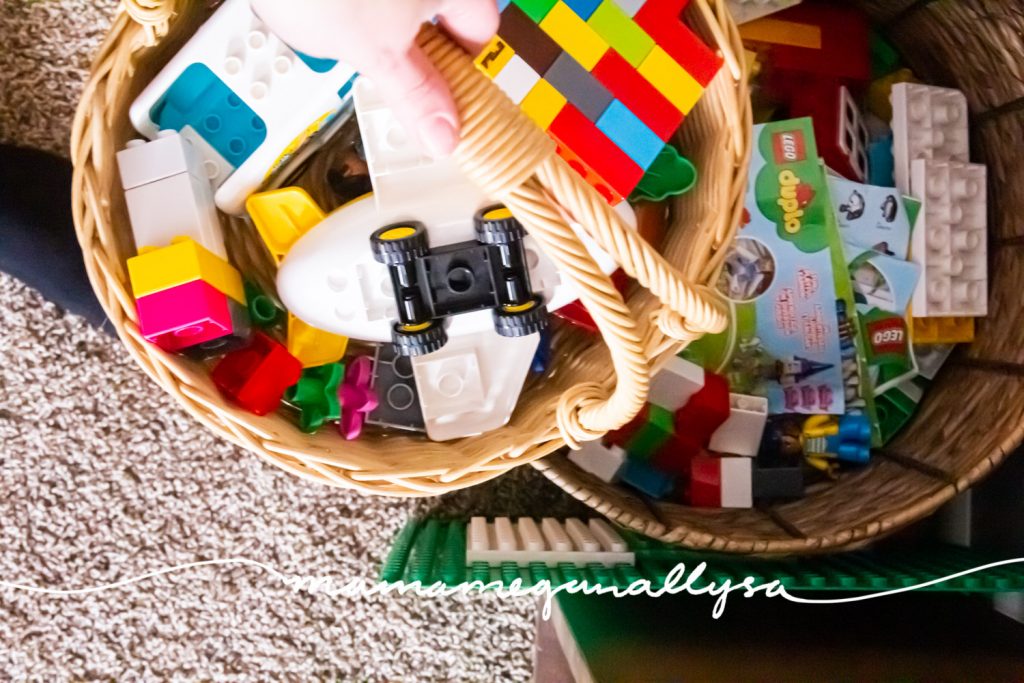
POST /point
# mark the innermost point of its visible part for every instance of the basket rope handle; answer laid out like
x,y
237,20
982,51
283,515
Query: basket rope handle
x,y
511,159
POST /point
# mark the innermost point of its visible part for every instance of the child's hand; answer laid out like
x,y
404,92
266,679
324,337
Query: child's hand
x,y
377,38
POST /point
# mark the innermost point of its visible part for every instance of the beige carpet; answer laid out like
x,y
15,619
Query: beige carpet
x,y
102,478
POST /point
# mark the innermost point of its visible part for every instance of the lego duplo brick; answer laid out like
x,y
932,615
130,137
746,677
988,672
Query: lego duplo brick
x,y
942,330
537,48
551,543
628,72
950,245
674,385
182,262
141,163
357,397
394,384
604,462
257,377
579,87
316,396
185,316
845,52
780,32
741,433
282,217
648,479
576,132
313,346
472,385
168,194
927,123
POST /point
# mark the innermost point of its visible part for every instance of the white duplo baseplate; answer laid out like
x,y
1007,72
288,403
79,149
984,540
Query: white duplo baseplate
x,y
951,241
552,542
927,123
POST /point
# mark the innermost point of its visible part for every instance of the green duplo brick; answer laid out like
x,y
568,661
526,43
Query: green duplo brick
x,y
621,32
536,9
662,418
646,442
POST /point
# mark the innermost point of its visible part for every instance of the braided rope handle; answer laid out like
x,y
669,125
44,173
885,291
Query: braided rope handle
x,y
513,161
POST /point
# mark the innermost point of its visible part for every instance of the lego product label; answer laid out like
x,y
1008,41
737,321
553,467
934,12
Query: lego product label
x,y
792,336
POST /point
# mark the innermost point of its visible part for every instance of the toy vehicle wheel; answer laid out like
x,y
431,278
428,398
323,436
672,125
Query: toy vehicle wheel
x,y
496,225
399,244
522,320
418,340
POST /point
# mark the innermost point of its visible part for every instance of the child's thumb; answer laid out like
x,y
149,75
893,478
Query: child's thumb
x,y
420,99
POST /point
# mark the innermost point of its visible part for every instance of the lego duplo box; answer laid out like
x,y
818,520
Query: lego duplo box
x,y
611,81
792,335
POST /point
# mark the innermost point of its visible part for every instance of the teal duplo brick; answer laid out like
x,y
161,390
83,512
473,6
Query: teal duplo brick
x,y
646,479
632,135
198,99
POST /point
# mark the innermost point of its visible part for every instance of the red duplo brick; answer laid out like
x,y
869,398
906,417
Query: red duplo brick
x,y
676,455
663,21
819,98
845,51
706,411
705,489
578,133
257,376
637,93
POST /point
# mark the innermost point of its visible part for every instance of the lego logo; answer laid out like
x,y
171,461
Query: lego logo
x,y
789,147
888,336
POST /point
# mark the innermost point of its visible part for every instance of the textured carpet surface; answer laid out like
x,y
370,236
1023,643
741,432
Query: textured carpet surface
x,y
103,478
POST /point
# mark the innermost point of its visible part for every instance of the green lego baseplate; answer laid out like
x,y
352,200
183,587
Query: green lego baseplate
x,y
433,551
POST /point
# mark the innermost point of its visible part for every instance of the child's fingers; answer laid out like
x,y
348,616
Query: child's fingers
x,y
420,98
471,22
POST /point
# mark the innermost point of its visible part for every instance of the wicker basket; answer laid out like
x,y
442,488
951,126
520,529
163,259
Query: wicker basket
x,y
590,387
972,417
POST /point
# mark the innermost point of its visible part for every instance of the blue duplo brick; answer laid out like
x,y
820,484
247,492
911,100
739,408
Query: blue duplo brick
x,y
584,8
632,135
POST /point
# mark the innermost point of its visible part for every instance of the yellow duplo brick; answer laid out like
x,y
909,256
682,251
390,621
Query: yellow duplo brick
x,y
312,346
494,57
543,103
781,32
183,261
942,330
282,217
574,35
671,79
